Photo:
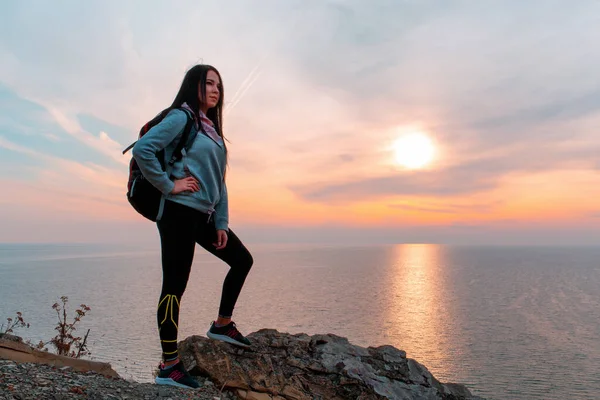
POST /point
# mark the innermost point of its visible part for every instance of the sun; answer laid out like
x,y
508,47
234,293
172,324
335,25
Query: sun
x,y
414,150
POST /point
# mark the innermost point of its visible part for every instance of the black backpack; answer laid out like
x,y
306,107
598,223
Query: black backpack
x,y
141,194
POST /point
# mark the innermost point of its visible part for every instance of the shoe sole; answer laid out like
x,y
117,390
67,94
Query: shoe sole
x,y
227,339
171,382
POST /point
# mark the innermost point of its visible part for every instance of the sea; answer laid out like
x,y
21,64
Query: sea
x,y
508,322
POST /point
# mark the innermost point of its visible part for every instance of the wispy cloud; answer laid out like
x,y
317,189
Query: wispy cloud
x,y
15,147
101,143
72,179
448,208
52,137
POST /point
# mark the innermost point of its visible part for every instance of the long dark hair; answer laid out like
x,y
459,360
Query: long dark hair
x,y
188,93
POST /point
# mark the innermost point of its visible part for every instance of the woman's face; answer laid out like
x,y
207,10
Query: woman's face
x,y
213,90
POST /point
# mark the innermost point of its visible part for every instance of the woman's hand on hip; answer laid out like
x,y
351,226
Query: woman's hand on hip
x,y
189,184
221,239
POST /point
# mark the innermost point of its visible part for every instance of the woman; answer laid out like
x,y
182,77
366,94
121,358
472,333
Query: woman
x,y
195,210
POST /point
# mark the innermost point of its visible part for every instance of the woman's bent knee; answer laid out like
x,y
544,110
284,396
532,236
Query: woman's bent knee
x,y
247,262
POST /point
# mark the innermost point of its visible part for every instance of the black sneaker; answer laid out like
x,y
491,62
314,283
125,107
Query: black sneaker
x,y
227,333
176,375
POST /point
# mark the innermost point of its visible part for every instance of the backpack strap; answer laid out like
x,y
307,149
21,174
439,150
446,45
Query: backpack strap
x,y
129,147
177,153
184,138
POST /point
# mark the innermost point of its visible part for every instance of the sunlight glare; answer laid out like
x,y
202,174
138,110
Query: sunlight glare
x,y
414,150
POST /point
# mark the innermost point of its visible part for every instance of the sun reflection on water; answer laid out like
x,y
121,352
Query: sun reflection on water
x,y
418,306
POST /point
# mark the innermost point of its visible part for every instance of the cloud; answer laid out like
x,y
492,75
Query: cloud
x,y
52,137
94,125
477,176
347,158
91,173
441,183
101,143
4,143
532,123
449,208
320,65
61,186
30,125
463,68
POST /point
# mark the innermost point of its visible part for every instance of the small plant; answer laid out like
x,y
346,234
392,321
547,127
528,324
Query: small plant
x,y
65,342
11,324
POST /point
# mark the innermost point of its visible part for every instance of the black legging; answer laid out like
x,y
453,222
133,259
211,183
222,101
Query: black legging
x,y
180,228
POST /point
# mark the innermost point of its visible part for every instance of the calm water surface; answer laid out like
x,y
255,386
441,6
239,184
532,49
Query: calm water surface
x,y
509,322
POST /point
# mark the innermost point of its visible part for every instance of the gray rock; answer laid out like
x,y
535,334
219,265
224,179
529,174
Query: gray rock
x,y
302,367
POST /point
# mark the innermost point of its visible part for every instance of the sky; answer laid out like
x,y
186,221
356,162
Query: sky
x,y
316,95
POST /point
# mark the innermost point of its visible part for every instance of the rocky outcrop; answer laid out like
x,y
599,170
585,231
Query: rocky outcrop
x,y
282,366
279,366
13,348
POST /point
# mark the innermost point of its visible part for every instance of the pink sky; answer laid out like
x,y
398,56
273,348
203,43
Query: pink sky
x,y
317,94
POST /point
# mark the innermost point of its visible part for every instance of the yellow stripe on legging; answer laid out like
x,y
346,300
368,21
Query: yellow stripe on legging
x,y
166,297
174,323
169,298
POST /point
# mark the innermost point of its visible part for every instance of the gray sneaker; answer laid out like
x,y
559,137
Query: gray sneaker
x,y
228,333
176,375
